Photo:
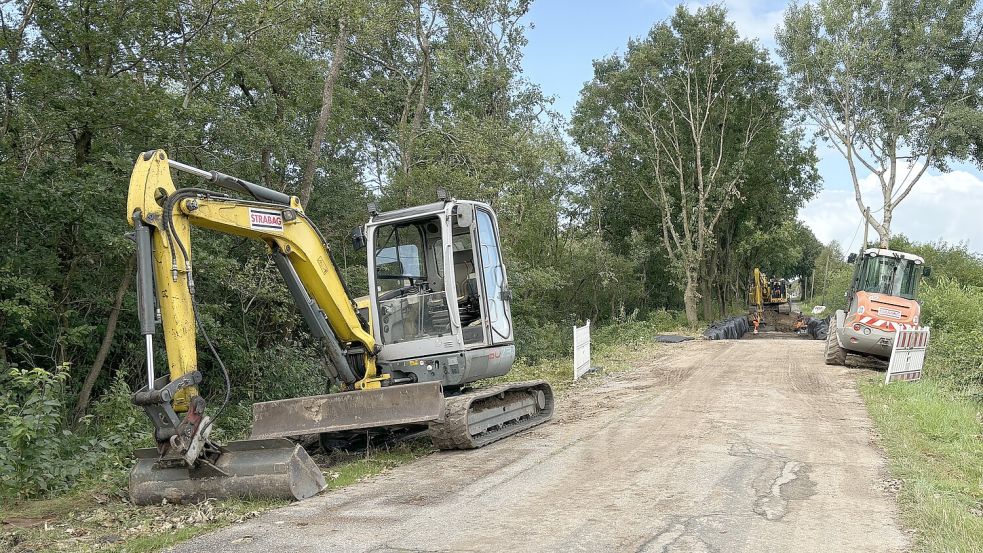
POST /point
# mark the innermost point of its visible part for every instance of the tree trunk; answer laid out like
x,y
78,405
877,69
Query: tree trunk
x,y
107,341
707,300
691,299
83,145
884,232
327,99
407,142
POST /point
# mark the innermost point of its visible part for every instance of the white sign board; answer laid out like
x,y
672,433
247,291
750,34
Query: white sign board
x,y
581,350
908,354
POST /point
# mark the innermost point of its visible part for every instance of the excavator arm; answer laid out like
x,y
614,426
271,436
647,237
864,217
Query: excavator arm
x,y
296,246
186,463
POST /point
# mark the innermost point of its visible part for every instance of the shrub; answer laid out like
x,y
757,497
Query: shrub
x,y
114,429
41,455
34,447
955,313
537,340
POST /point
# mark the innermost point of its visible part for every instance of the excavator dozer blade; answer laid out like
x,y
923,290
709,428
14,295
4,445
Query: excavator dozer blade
x,y
277,469
396,405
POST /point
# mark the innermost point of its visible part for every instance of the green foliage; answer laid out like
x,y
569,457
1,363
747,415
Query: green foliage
x,y
832,276
933,442
34,447
889,72
954,311
785,251
886,82
629,332
953,261
40,455
712,185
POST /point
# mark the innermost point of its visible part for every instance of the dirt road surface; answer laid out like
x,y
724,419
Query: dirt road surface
x,y
750,445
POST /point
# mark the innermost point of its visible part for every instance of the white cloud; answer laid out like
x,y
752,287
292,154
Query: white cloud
x,y
947,206
755,19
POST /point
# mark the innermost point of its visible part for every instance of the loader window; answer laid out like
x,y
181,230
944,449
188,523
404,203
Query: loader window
x,y
892,276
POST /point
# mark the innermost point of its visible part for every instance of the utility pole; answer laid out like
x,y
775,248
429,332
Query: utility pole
x,y
829,254
812,281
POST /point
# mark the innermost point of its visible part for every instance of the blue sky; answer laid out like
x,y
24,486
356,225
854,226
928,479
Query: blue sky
x,y
566,36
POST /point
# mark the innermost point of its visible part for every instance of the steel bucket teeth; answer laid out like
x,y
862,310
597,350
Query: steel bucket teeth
x,y
276,469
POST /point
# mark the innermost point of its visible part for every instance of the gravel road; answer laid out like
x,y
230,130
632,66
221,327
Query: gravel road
x,y
749,445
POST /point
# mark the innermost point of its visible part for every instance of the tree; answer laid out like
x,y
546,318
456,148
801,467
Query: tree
x,y
692,109
894,86
327,100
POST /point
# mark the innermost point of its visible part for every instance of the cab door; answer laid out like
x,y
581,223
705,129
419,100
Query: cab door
x,y
494,279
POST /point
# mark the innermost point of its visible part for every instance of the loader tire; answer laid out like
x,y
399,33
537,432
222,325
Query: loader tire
x,y
835,354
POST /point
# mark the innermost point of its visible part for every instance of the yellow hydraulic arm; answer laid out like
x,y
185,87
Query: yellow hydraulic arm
x,y
759,289
276,219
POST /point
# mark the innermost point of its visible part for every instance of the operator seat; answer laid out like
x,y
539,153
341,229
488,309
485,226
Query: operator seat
x,y
467,287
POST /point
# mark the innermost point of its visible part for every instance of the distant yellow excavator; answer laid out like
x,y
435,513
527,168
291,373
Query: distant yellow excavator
x,y
437,319
768,300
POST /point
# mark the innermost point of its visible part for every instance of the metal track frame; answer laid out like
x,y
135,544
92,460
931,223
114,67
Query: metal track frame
x,y
515,407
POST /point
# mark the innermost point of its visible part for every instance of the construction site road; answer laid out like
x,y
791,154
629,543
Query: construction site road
x,y
745,445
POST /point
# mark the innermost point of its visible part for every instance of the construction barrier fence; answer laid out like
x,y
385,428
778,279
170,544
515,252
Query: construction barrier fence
x,y
908,354
581,350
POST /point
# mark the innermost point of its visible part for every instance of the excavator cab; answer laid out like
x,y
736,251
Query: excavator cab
x,y
439,297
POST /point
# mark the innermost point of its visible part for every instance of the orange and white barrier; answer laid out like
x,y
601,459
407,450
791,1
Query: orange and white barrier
x,y
908,354
884,324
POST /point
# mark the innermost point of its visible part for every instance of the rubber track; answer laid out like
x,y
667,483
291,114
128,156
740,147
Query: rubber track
x,y
453,432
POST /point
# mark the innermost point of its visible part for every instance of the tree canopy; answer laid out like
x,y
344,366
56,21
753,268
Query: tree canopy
x,y
344,102
896,87
691,123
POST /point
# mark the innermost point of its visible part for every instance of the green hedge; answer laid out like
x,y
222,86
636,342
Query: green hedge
x,y
954,311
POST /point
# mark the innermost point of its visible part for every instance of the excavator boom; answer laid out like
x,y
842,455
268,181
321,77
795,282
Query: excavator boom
x,y
186,464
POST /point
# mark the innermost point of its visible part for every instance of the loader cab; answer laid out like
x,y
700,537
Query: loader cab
x,y
887,272
438,291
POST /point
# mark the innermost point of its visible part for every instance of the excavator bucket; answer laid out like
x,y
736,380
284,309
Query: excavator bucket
x,y
400,405
267,465
277,469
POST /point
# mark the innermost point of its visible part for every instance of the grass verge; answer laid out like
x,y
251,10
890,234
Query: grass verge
x,y
614,348
934,442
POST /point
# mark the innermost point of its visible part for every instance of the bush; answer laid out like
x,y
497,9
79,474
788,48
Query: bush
x,y
634,331
538,340
34,447
955,355
114,429
40,455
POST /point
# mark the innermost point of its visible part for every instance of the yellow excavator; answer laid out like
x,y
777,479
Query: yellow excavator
x,y
436,320
768,302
